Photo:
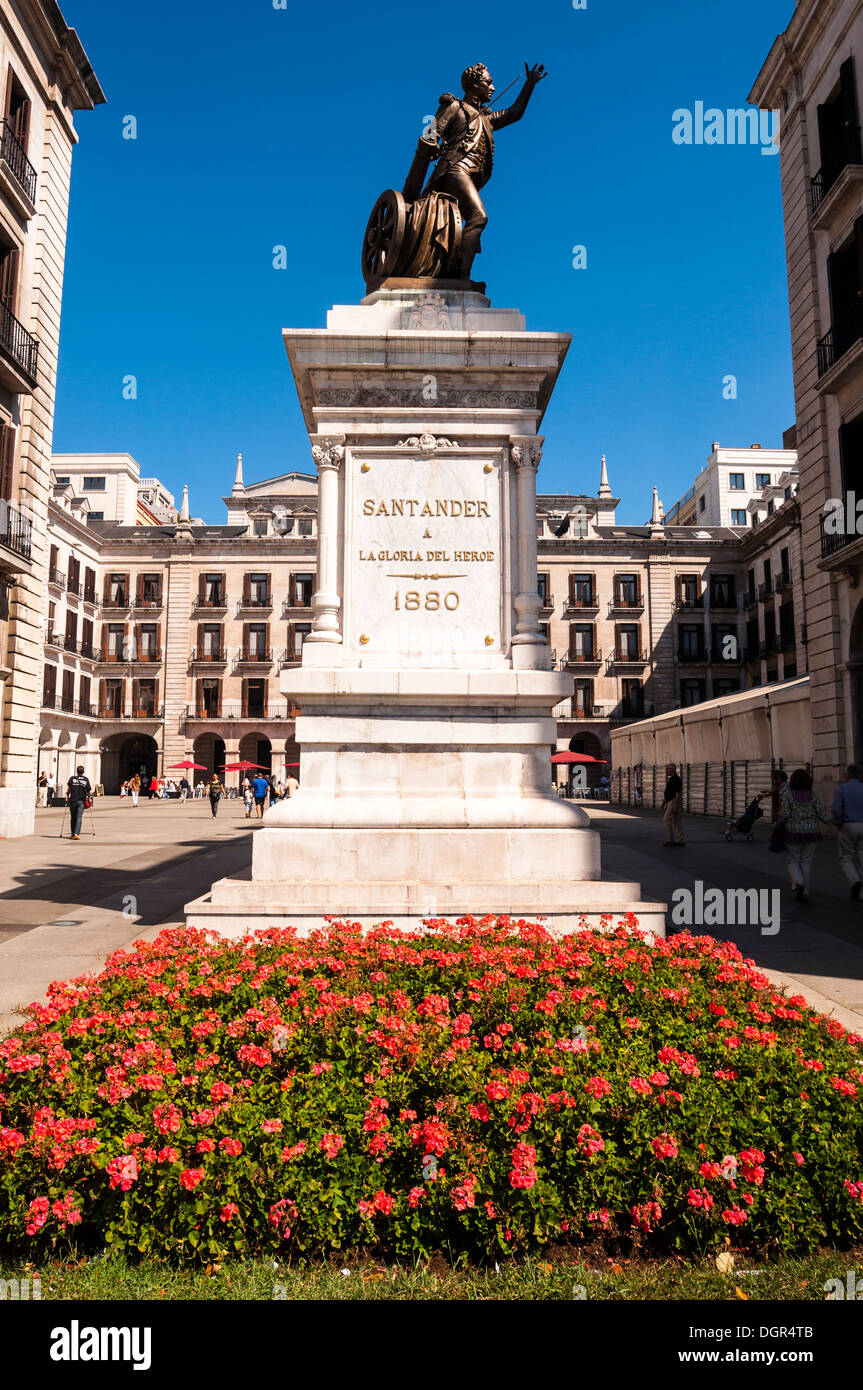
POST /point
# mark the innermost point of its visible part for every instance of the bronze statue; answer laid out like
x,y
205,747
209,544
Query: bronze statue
x,y
434,235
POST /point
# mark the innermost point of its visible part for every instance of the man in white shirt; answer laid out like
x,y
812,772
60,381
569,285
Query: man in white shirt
x,y
291,784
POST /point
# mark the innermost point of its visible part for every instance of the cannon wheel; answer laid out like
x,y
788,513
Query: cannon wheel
x,y
384,238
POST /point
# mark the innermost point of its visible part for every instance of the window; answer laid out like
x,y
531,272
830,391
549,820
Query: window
x,y
582,591
73,575
17,113
7,460
738,518
702,504
148,642
632,706
845,279
87,637
61,482
627,643
543,588
790,669
145,698
762,480
735,482
95,516
260,526
113,642
301,589
689,590
117,591
691,646
582,642
209,699
89,586
582,700
71,638
784,566
257,590
150,590
256,641
770,639
94,484
786,625
49,686
724,685
627,591
305,525
838,131
787,493
255,699
692,692
67,698
10,259
723,592
297,634
212,591
209,641
84,706
113,699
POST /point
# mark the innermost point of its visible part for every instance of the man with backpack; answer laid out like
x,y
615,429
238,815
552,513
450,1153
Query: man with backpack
x,y
261,789
78,795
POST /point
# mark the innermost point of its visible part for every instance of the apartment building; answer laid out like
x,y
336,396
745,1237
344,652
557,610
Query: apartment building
x,y
731,483
46,77
812,75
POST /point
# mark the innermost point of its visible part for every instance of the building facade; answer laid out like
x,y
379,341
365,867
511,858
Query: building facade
x,y
167,642
46,77
731,483
812,76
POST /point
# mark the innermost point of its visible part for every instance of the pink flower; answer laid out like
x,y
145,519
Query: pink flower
x,y
597,1087
191,1177
664,1146
589,1141
229,1211
331,1144
271,1126
232,1147
291,1151
122,1172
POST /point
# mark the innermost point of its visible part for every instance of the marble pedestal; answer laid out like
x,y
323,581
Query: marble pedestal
x,y
426,686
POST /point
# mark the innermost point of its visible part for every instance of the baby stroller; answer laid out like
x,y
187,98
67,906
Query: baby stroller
x,y
743,825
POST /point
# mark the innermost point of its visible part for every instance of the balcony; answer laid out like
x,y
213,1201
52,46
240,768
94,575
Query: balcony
x,y
839,340
113,658
239,711
783,581
250,604
690,658
296,605
291,657
770,647
74,589
787,641
146,712
56,579
727,604
16,171
19,354
691,604
766,589
119,604
70,644
54,639
621,603
216,657
592,658
16,531
750,598
255,656
149,605
838,161
49,699
217,603
149,656
589,604
87,651
90,597
623,657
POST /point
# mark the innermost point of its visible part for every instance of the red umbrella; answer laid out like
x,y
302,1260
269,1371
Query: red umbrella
x,y
244,767
575,758
188,764
292,764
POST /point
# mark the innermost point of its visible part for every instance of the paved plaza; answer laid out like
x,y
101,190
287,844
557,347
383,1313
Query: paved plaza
x,y
66,905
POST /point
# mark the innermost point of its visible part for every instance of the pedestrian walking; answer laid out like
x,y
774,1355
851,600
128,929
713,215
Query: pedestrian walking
x,y
215,792
78,795
291,785
778,780
799,813
638,793
248,797
672,816
848,820
184,790
134,788
260,788
42,789
52,787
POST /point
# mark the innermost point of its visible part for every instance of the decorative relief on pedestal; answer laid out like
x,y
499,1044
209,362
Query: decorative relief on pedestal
x,y
329,451
430,311
525,450
426,443
412,395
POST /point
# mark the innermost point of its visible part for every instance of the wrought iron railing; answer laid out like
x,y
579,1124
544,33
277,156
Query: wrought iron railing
x,y
842,335
13,155
20,345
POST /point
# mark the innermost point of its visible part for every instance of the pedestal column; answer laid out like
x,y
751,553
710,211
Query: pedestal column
x,y
328,451
526,452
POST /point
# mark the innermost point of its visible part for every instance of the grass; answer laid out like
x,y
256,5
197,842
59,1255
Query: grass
x,y
112,1277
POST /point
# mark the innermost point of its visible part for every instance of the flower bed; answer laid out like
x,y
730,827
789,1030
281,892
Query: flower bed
x,y
478,1089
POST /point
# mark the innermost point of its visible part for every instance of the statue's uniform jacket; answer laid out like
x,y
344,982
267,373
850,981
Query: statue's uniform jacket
x,y
467,136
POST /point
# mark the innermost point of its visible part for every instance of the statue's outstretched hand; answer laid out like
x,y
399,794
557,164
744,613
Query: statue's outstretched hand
x,y
534,74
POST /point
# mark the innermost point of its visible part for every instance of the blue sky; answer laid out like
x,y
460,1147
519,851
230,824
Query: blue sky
x,y
260,127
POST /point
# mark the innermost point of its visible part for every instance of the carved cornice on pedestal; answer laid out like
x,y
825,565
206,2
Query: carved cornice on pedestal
x,y
526,449
328,450
427,443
